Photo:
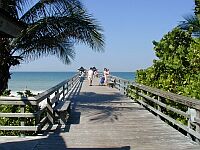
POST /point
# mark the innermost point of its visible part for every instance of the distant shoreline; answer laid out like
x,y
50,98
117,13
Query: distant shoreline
x,y
65,71
42,81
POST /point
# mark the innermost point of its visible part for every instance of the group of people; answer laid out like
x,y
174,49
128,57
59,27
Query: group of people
x,y
93,72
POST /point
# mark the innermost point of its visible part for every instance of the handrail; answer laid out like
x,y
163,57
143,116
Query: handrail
x,y
42,116
163,104
17,100
49,92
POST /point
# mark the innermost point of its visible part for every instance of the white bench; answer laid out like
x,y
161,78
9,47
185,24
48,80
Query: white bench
x,y
63,109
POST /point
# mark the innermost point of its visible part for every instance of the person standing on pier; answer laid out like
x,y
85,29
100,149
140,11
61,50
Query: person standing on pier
x,y
106,73
81,74
90,76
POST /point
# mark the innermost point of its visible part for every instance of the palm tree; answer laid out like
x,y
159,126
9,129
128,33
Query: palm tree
x,y
192,22
53,27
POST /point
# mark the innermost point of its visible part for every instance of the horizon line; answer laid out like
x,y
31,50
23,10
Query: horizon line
x,y
66,71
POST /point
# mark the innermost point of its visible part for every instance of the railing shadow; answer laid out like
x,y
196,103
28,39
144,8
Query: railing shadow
x,y
101,107
74,117
106,113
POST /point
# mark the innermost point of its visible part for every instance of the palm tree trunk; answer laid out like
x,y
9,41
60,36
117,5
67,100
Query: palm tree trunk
x,y
4,76
4,64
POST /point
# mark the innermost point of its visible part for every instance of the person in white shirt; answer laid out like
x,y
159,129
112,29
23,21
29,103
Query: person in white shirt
x,y
90,76
106,73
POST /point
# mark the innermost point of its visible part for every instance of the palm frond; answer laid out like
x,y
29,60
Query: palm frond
x,y
65,52
88,30
45,46
57,34
191,22
71,28
48,8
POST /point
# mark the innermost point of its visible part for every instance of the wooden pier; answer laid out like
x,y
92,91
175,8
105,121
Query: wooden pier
x,y
104,118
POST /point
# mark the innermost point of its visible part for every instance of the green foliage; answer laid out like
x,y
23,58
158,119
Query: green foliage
x,y
177,68
6,92
27,93
16,109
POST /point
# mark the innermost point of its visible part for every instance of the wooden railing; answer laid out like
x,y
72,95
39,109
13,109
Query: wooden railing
x,y
170,107
41,115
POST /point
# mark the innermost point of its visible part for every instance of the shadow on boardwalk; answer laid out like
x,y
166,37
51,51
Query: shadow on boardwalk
x,y
100,107
52,142
104,111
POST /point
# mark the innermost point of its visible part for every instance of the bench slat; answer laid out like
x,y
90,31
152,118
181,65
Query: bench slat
x,y
62,106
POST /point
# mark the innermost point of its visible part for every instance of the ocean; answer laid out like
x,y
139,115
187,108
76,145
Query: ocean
x,y
41,81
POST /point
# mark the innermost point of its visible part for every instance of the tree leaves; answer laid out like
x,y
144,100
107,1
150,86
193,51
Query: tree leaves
x,y
178,66
54,27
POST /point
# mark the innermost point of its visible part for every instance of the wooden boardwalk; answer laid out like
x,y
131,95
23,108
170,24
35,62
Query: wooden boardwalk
x,y
102,118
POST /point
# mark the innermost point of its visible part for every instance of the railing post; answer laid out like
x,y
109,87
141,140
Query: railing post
x,y
192,112
198,125
72,82
37,117
63,92
57,98
158,106
22,123
189,123
67,88
136,93
125,87
50,111
22,110
119,85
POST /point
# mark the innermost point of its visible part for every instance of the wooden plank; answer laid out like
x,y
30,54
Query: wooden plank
x,y
62,106
53,127
50,113
193,103
19,128
185,128
190,102
56,97
18,100
165,106
18,115
41,123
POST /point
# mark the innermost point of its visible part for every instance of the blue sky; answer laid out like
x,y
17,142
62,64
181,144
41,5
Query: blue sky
x,y
129,26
